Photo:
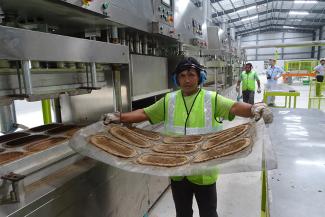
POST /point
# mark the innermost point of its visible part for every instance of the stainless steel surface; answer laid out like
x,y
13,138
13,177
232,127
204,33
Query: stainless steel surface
x,y
27,77
80,187
297,187
46,81
185,12
135,98
87,108
149,74
7,118
87,188
19,44
213,37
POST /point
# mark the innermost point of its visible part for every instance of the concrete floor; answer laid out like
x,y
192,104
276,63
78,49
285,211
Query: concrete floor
x,y
165,205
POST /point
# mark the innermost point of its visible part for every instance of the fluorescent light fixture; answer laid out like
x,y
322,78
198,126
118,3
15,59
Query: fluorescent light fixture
x,y
298,13
289,27
250,18
246,9
305,2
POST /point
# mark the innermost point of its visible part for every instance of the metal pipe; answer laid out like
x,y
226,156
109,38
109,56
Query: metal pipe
x,y
46,109
7,118
145,45
114,35
19,78
137,43
57,110
27,77
131,45
117,87
93,74
123,41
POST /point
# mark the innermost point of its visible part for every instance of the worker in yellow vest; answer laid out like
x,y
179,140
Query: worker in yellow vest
x,y
248,78
192,110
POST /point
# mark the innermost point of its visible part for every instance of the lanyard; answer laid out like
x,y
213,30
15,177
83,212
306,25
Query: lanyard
x,y
188,112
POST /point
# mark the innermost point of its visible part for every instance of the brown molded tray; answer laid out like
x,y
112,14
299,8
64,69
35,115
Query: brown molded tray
x,y
44,144
12,136
45,127
10,156
25,141
62,129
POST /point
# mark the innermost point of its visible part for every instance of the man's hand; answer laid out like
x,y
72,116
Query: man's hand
x,y
261,110
276,78
259,90
237,88
111,118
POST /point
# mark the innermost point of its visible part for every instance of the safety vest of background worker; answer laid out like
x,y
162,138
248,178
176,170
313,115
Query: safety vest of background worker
x,y
247,79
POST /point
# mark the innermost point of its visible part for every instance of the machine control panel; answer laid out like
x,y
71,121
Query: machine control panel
x,y
164,18
98,6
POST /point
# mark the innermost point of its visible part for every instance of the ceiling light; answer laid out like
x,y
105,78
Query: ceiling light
x,y
298,13
246,9
250,18
305,2
289,27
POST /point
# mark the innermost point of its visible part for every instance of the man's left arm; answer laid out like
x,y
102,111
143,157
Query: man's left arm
x,y
258,83
257,111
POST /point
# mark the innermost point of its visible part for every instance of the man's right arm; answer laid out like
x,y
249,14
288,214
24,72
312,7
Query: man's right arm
x,y
134,116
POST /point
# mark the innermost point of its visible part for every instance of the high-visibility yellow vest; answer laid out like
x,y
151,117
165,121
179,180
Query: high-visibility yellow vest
x,y
248,80
200,121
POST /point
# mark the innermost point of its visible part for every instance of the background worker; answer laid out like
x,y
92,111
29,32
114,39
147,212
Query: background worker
x,y
192,110
273,73
320,71
248,78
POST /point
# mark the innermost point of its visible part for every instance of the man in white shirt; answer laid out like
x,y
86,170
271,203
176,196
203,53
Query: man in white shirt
x,y
273,73
320,71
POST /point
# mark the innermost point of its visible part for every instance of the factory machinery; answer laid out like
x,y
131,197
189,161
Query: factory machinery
x,y
84,58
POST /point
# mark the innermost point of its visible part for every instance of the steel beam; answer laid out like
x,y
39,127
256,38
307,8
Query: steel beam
x,y
233,10
214,15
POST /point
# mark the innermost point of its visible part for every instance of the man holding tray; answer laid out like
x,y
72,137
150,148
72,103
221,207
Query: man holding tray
x,y
189,111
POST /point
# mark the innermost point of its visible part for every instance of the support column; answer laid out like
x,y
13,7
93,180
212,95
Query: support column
x,y
46,109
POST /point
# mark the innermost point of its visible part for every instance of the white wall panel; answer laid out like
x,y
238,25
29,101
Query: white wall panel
x,y
276,38
267,50
291,50
297,40
295,34
270,42
296,56
250,51
250,43
265,36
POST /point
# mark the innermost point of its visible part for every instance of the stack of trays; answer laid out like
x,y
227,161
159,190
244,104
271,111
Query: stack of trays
x,y
19,145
